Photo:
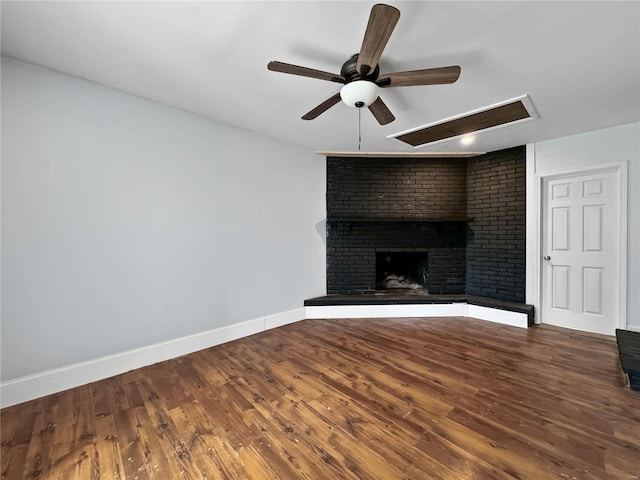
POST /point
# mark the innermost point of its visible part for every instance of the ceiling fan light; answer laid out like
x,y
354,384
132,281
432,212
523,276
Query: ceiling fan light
x,y
360,93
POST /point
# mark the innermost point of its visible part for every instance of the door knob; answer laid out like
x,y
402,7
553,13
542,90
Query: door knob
x,y
546,257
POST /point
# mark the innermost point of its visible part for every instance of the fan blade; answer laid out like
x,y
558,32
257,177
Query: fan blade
x,y
428,76
305,72
323,107
382,21
381,112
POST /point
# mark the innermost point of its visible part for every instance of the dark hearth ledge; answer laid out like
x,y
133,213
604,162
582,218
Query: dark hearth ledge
x,y
383,299
409,298
503,305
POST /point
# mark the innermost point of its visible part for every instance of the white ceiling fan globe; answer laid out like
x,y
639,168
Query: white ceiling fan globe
x,y
359,93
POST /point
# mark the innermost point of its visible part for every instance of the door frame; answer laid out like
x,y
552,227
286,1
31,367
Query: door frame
x,y
620,169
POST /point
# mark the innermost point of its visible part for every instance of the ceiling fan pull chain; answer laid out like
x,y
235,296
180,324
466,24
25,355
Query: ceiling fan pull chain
x,y
359,128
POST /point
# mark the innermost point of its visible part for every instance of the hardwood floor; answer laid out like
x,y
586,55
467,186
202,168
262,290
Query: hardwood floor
x,y
435,398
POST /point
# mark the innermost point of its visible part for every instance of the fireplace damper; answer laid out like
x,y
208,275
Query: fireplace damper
x,y
402,270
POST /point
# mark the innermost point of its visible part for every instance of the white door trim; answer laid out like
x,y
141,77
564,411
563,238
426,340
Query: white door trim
x,y
620,168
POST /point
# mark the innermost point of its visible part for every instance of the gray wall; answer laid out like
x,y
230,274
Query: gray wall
x,y
126,223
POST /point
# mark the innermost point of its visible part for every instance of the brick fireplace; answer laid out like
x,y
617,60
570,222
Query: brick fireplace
x,y
460,220
354,245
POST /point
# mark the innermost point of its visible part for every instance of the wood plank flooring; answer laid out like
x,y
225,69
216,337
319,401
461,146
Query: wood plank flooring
x,y
435,398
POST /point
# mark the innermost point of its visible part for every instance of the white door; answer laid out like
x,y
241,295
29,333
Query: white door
x,y
580,248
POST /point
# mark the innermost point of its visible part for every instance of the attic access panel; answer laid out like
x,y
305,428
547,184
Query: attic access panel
x,y
499,115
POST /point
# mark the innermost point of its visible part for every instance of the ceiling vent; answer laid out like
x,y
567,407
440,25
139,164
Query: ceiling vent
x,y
509,112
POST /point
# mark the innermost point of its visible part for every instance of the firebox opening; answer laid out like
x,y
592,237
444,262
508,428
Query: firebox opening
x,y
402,270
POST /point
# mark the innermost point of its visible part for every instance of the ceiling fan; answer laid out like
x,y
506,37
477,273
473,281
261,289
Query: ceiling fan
x,y
361,73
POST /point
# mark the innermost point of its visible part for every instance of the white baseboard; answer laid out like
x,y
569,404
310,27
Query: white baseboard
x,y
515,319
284,318
387,311
45,383
496,315
633,328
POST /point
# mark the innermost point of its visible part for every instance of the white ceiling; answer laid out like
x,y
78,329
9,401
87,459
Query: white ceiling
x,y
578,61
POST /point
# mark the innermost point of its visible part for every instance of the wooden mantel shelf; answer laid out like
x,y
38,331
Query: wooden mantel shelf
x,y
401,154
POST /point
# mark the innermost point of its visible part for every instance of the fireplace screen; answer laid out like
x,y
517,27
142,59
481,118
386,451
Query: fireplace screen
x,y
402,270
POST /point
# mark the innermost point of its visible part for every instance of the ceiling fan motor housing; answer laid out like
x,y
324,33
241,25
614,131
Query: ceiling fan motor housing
x,y
359,90
350,72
